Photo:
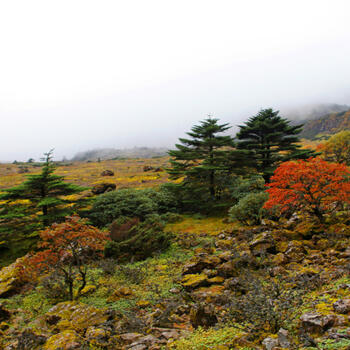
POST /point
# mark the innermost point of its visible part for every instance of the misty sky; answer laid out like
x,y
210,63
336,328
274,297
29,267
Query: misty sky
x,y
79,74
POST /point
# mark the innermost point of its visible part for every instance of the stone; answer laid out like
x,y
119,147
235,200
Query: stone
x,y
67,340
148,168
270,343
107,173
198,264
316,322
193,281
342,306
283,338
73,315
263,243
103,187
120,293
130,338
226,269
10,280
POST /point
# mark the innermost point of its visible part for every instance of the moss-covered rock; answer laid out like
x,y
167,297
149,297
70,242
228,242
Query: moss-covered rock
x,y
193,281
10,279
72,315
66,340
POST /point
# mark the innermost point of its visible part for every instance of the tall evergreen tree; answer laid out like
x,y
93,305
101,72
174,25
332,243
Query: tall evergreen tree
x,y
202,159
40,199
266,140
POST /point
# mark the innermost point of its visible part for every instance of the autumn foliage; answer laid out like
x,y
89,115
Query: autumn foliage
x,y
314,185
66,249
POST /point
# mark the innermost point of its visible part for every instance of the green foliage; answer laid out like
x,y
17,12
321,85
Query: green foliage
x,y
203,163
36,203
249,209
202,339
266,140
131,203
241,187
143,241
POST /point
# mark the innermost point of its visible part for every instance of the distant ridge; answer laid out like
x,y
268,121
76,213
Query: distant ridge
x,y
328,124
112,153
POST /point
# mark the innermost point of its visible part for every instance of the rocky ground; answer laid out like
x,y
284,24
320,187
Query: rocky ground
x,y
274,286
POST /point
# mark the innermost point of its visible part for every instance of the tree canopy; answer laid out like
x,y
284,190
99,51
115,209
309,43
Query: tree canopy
x,y
202,159
266,140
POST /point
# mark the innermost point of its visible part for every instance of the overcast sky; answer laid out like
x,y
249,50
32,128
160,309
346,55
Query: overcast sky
x,y
80,74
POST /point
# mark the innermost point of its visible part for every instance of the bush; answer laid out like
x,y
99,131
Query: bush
x,y
242,187
249,209
131,203
140,242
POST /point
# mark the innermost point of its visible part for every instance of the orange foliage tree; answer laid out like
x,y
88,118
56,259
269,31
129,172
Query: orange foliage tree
x,y
314,185
67,248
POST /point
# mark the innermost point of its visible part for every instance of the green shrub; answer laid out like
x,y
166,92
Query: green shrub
x,y
242,187
130,203
249,208
142,242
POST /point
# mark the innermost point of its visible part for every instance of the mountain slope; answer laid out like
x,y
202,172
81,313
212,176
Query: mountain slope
x,y
328,124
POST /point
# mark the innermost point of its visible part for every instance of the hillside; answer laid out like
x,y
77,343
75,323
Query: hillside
x,y
328,124
112,153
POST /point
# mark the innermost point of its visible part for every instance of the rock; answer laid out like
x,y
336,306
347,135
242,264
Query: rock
x,y
174,290
216,280
226,269
342,306
263,243
10,280
142,304
295,251
283,338
72,315
120,293
198,264
98,337
107,173
211,292
103,187
130,338
270,343
29,339
226,256
316,322
202,316
193,281
280,259
67,340
148,168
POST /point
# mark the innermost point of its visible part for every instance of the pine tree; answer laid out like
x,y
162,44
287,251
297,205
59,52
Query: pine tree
x,y
44,193
266,140
202,159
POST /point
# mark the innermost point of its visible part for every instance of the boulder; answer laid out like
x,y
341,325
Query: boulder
x,y
148,168
342,306
226,269
10,279
283,338
198,264
107,173
262,244
72,315
103,187
193,281
317,323
270,343
67,340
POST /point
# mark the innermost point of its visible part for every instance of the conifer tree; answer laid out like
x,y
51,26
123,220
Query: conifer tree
x,y
41,194
266,140
202,159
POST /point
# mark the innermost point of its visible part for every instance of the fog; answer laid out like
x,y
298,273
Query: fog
x,y
77,75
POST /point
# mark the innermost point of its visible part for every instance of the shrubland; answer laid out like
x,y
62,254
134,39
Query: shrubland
x,y
224,256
